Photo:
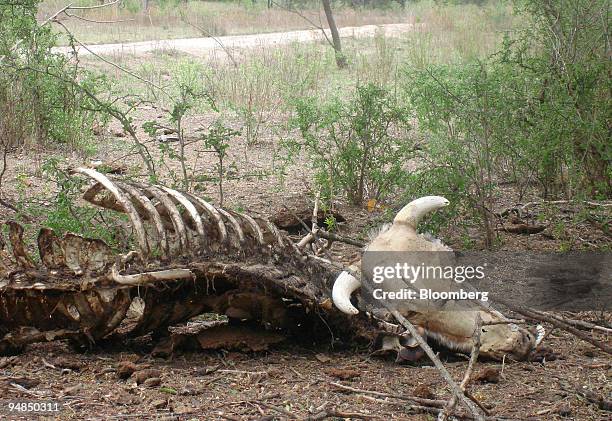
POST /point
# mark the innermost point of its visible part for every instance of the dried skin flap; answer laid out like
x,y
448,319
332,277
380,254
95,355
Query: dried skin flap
x,y
237,337
85,255
50,249
16,239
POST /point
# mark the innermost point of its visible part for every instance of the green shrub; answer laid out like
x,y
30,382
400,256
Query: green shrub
x,y
40,102
462,110
358,147
534,114
67,212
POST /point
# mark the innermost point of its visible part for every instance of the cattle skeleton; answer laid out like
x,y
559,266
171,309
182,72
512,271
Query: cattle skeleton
x,y
453,329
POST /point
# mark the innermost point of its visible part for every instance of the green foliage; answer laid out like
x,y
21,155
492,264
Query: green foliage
x,y
563,61
37,106
359,147
218,139
65,213
535,112
461,107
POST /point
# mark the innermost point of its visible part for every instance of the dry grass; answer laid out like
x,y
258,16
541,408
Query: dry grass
x,y
217,18
267,77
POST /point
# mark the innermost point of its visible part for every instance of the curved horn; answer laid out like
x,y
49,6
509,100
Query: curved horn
x,y
414,211
344,286
540,333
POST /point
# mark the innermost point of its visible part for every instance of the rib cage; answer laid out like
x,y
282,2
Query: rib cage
x,y
191,257
197,226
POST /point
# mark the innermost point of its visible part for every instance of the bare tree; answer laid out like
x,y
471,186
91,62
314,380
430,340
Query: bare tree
x,y
340,58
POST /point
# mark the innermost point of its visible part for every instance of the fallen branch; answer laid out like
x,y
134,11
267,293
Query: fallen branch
x,y
580,324
473,408
340,414
536,315
448,409
436,403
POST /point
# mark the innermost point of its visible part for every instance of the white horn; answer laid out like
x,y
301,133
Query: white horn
x,y
541,332
344,286
414,211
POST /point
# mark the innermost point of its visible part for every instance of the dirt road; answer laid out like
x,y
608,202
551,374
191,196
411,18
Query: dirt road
x,y
213,46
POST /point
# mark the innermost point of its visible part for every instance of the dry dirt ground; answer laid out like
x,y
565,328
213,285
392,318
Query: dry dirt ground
x,y
292,383
288,381
217,46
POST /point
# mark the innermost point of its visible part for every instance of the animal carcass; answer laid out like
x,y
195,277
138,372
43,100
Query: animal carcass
x,y
450,322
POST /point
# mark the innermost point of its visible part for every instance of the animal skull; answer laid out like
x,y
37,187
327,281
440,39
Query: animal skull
x,y
446,323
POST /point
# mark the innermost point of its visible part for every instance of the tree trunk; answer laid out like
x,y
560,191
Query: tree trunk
x,y
340,58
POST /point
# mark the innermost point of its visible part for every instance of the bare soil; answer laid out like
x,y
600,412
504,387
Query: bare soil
x,y
218,46
252,386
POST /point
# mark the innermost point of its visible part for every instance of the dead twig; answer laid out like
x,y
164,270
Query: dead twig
x,y
94,20
473,408
436,403
331,413
443,416
580,324
115,65
536,315
54,16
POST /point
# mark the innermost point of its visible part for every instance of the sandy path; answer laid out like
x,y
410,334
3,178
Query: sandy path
x,y
206,46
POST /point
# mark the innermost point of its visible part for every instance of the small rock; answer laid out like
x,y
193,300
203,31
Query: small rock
x,y
423,391
166,138
143,375
488,375
72,390
159,403
106,370
68,363
186,391
152,382
125,369
127,399
343,373
323,358
118,133
565,410
182,409
7,361
205,371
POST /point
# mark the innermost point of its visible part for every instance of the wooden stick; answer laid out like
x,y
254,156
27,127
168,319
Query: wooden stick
x,y
448,409
534,314
436,403
474,409
581,324
331,413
